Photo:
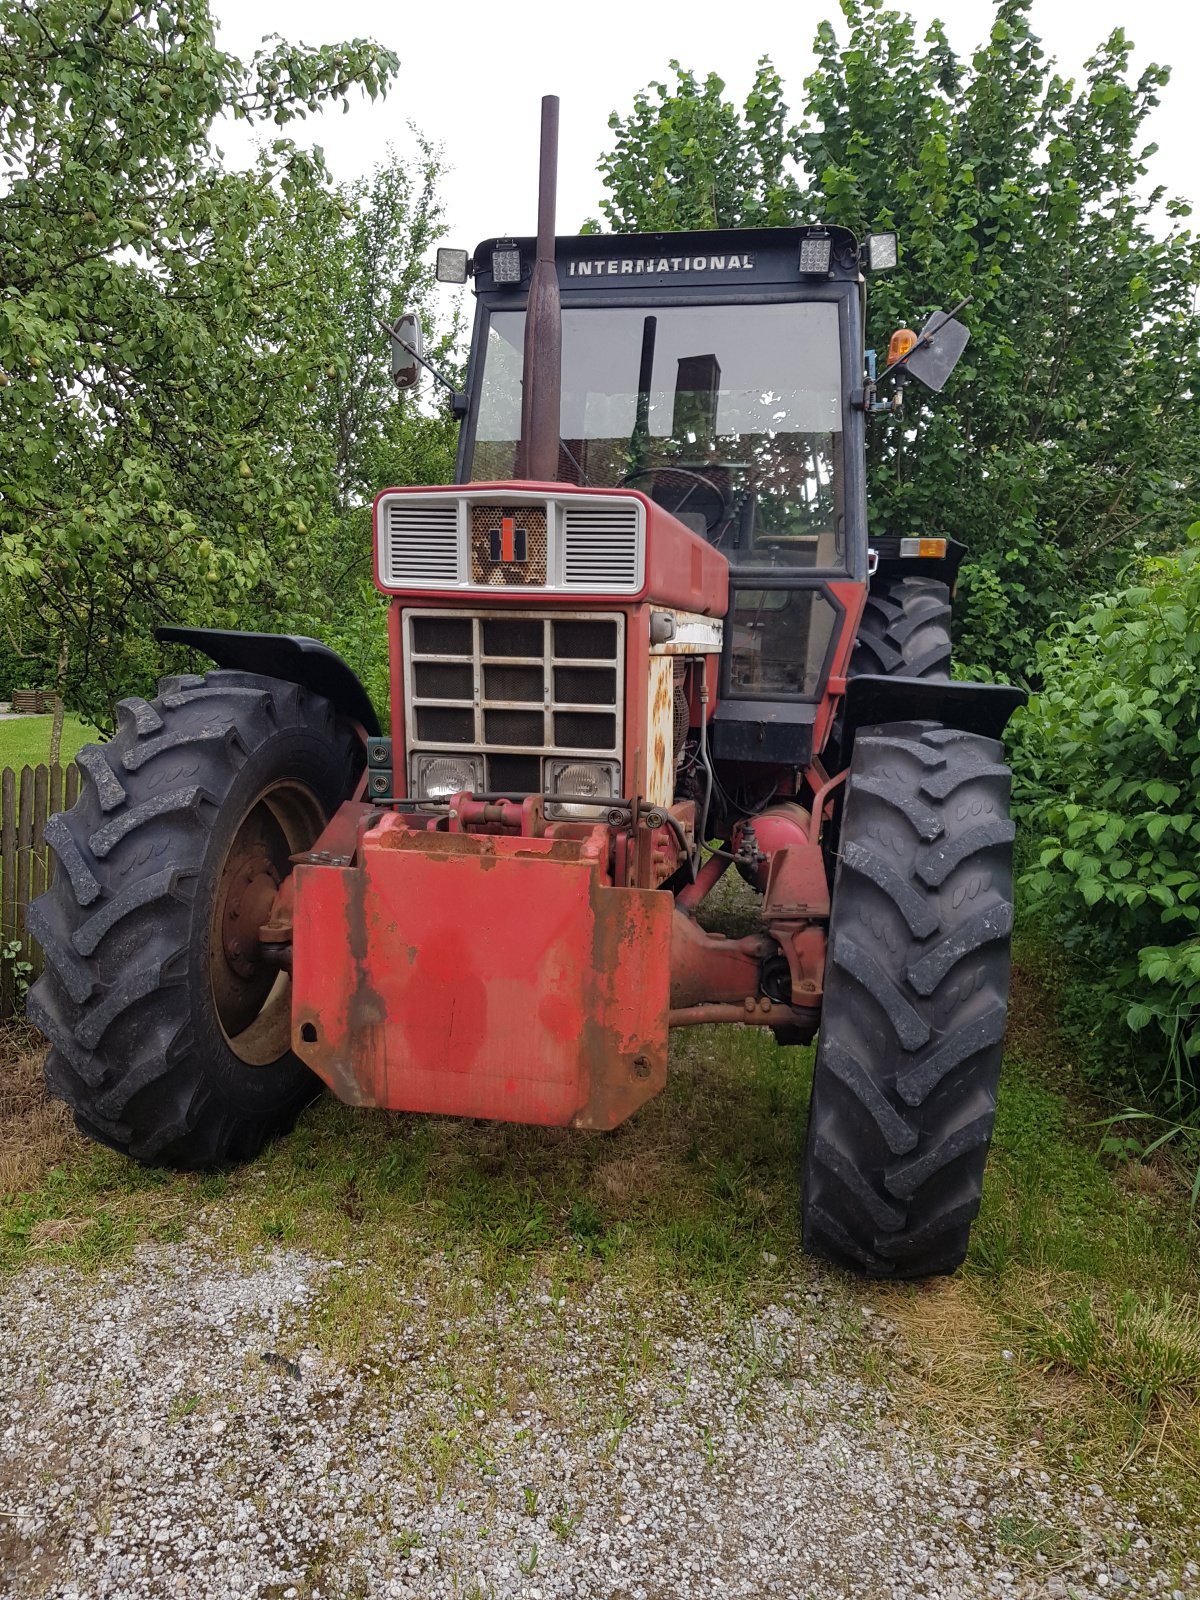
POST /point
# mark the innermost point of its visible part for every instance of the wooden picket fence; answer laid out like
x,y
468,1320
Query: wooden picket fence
x,y
28,798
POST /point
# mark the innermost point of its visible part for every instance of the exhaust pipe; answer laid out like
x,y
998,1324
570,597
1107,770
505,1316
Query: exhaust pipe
x,y
541,383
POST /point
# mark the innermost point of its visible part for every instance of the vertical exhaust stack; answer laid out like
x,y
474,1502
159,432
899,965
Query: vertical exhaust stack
x,y
541,387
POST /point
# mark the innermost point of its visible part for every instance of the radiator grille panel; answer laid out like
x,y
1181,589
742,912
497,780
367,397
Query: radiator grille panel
x,y
531,687
481,539
420,545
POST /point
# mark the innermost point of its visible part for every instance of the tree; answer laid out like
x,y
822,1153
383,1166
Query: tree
x,y
165,377
687,158
1070,432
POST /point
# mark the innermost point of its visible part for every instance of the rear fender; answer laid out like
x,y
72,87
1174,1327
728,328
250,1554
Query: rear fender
x,y
289,656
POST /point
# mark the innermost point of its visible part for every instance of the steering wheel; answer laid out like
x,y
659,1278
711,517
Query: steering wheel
x,y
678,489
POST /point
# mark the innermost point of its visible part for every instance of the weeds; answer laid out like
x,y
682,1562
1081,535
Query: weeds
x,y
1147,1352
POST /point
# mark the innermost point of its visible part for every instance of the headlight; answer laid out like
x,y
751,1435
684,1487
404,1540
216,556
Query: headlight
x,y
590,781
438,777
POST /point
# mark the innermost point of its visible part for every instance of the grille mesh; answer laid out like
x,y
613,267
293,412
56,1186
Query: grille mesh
x,y
513,683
586,686
485,522
446,724
513,727
585,640
442,636
584,730
513,636
442,680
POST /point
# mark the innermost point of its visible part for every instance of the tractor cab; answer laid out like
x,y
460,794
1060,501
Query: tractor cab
x,y
713,372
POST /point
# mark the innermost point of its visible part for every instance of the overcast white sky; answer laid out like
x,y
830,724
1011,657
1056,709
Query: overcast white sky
x,y
472,75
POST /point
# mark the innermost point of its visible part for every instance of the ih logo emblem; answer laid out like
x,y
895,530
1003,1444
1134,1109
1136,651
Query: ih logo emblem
x,y
509,543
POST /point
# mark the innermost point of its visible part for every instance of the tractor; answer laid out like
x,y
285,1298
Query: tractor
x,y
642,641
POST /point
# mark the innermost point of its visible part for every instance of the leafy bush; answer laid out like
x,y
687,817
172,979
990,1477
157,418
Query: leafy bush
x,y
1108,763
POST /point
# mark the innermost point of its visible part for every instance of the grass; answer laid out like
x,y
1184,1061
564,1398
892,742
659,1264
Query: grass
x,y
25,741
1073,1324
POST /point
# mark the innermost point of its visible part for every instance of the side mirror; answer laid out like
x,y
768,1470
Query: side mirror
x,y
939,345
408,346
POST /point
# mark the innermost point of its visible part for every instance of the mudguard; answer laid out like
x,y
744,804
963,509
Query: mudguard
x,y
974,707
289,656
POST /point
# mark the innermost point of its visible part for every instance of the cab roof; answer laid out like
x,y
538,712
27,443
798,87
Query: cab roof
x,y
730,258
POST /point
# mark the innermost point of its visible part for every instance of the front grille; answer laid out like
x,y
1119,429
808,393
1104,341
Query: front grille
x,y
527,565
528,688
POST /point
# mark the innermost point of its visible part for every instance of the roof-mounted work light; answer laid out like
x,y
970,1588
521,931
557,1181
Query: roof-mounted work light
x,y
506,264
882,251
816,252
451,266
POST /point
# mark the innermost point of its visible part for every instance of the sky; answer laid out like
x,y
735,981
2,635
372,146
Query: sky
x,y
472,75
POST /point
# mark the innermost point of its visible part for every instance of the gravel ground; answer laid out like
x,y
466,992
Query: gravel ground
x,y
174,1429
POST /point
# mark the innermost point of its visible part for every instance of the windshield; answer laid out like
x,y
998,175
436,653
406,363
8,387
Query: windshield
x,y
728,416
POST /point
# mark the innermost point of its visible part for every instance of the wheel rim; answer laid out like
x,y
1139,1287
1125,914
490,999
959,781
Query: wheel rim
x,y
252,996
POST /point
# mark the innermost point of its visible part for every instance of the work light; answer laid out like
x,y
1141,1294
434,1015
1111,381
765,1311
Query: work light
x,y
451,266
883,251
506,264
816,251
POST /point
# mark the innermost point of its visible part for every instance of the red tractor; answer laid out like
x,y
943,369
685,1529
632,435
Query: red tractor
x,y
642,640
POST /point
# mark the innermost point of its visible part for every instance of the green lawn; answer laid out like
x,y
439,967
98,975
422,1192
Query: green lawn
x,y
25,741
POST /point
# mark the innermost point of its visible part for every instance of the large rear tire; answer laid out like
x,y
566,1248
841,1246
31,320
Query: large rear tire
x,y
916,998
170,1032
905,629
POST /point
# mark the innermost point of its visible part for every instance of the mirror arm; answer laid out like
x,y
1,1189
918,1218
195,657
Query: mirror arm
x,y
457,398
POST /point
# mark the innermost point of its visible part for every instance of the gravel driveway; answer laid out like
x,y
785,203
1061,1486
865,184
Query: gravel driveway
x,y
173,1428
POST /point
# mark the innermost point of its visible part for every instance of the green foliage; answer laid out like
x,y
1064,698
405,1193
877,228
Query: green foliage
x,y
189,405
1108,758
687,158
1067,431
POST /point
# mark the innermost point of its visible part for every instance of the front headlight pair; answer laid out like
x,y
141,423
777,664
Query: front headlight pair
x,y
437,777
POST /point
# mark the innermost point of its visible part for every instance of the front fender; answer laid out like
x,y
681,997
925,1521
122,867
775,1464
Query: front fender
x,y
289,656
982,708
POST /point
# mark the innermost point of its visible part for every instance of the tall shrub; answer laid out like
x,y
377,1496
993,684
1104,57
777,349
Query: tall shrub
x,y
1108,761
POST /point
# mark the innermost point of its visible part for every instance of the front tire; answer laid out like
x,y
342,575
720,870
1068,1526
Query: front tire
x,y
915,1004
170,1034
